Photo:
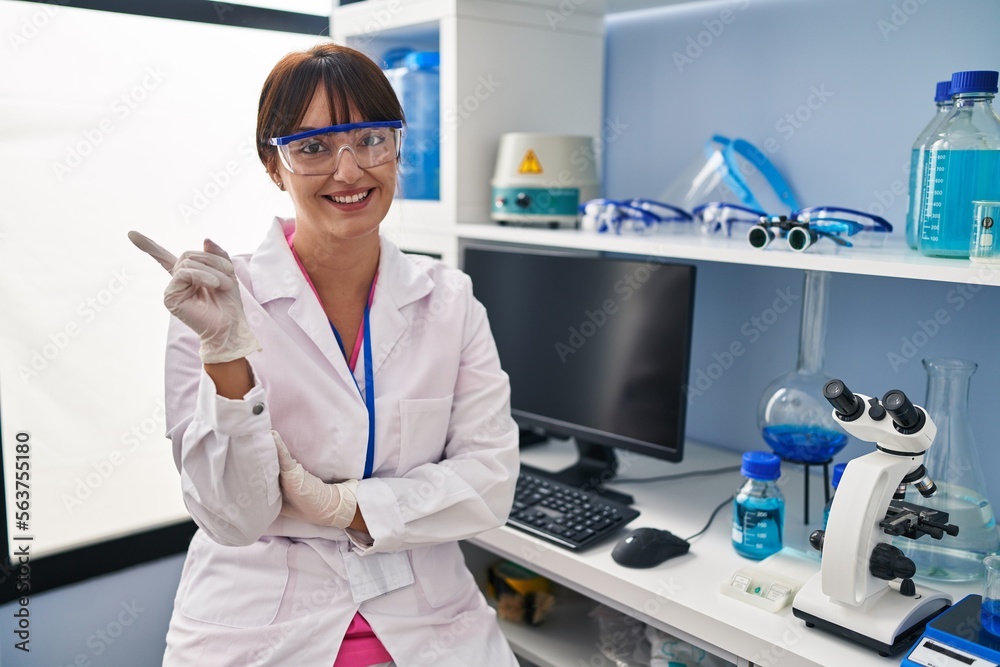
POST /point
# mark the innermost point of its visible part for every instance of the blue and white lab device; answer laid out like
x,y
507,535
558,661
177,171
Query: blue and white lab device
x,y
956,638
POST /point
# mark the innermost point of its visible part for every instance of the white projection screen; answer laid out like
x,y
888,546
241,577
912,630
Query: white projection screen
x,y
111,122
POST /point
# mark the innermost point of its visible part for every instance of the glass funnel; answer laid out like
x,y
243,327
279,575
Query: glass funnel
x,y
793,416
953,463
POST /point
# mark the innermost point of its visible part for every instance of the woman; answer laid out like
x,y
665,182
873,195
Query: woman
x,y
337,410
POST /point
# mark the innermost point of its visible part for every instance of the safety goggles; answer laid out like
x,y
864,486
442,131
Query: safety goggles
x,y
800,229
318,152
635,215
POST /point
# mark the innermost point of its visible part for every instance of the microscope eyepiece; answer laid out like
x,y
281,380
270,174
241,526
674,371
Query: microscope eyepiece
x,y
847,405
906,417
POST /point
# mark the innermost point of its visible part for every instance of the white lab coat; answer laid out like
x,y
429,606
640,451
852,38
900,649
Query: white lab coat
x,y
262,589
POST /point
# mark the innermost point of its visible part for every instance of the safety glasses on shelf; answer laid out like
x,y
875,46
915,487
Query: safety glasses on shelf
x,y
636,215
318,152
800,229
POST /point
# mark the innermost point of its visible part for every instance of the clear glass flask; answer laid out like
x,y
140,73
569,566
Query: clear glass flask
x,y
953,464
793,416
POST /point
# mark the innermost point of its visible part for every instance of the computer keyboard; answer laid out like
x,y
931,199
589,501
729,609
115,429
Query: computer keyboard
x,y
565,515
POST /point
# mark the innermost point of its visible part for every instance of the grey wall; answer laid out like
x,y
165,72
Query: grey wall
x,y
835,91
119,620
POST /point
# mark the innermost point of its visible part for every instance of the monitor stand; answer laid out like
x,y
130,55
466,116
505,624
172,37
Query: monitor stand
x,y
597,464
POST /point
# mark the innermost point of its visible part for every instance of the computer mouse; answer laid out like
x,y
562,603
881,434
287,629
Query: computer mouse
x,y
648,547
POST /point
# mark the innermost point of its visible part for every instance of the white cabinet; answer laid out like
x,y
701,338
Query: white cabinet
x,y
527,66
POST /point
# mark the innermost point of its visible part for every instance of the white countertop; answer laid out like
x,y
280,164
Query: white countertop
x,y
681,596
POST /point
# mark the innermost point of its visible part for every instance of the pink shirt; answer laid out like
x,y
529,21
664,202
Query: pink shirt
x,y
360,647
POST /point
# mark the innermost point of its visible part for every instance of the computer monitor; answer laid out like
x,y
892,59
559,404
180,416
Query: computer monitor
x,y
597,348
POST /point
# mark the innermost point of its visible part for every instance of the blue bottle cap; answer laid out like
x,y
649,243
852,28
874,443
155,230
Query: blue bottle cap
x,y
422,60
764,466
838,472
394,57
943,91
975,81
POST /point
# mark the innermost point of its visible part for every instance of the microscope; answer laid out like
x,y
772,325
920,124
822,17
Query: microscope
x,y
856,593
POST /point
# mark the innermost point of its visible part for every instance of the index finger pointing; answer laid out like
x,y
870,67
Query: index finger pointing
x,y
153,249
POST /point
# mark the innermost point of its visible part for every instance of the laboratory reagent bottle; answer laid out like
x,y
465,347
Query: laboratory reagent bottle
x,y
962,164
421,154
838,473
942,98
759,507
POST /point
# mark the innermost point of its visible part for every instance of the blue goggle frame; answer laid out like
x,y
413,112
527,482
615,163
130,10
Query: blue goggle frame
x,y
347,127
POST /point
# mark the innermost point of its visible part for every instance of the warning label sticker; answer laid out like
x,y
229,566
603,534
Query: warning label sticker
x,y
530,164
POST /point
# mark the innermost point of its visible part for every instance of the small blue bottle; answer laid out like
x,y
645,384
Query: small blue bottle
x,y
838,472
759,507
942,98
962,164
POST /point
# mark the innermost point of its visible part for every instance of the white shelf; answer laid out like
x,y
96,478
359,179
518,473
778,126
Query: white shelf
x,y
568,636
893,260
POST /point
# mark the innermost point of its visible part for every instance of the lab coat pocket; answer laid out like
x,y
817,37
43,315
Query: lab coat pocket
x,y
423,431
239,587
441,573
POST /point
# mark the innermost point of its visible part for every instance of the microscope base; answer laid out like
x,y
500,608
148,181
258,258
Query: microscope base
x,y
888,624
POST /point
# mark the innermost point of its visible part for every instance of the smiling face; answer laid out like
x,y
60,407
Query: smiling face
x,y
348,203
327,85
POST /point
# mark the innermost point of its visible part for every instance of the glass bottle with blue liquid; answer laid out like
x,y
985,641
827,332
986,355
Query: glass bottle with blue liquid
x,y
838,473
759,507
942,98
962,164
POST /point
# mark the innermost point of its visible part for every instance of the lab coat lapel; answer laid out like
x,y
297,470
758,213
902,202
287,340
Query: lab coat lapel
x,y
400,283
276,275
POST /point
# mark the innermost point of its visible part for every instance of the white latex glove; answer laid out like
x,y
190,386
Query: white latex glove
x,y
307,497
204,294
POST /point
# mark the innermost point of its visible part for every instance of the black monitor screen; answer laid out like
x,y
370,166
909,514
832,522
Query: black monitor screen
x,y
597,348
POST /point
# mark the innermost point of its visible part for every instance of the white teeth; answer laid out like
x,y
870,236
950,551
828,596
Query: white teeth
x,y
353,199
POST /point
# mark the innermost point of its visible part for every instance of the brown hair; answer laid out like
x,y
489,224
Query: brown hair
x,y
349,77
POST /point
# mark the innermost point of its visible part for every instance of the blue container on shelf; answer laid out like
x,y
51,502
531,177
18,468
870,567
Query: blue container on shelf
x,y
416,80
